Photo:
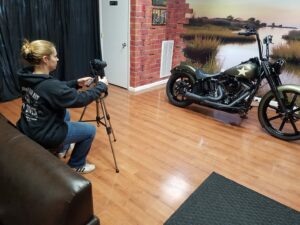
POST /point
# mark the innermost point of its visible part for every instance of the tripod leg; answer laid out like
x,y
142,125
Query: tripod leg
x,y
113,153
82,113
112,130
108,119
108,131
98,119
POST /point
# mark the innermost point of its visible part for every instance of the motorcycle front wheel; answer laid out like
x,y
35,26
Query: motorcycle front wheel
x,y
285,126
177,85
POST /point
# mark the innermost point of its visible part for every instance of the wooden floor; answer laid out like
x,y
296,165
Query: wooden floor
x,y
164,153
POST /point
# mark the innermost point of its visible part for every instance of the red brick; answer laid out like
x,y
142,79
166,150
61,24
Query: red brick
x,y
146,39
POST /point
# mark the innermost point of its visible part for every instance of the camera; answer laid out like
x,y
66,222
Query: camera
x,y
97,70
97,67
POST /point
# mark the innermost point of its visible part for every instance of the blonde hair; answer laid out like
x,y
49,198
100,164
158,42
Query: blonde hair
x,y
34,51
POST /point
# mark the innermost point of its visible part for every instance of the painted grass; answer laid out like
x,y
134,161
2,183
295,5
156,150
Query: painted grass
x,y
294,35
211,66
290,52
202,49
293,69
225,35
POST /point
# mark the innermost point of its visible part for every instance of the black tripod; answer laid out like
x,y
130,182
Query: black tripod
x,y
105,121
98,66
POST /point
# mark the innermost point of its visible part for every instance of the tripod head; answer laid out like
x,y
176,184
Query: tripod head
x,y
97,68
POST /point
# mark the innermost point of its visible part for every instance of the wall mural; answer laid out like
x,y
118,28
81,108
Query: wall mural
x,y
211,33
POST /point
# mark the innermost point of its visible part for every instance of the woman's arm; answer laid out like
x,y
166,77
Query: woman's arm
x,y
81,82
59,95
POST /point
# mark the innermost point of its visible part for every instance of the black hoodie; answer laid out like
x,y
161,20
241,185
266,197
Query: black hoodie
x,y
44,103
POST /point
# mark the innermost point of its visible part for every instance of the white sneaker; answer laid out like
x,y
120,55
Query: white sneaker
x,y
67,152
87,168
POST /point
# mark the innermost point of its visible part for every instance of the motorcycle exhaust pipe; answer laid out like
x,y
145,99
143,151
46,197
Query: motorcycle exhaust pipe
x,y
208,101
195,97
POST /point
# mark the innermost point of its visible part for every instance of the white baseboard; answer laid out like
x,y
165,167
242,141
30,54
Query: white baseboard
x,y
148,86
256,101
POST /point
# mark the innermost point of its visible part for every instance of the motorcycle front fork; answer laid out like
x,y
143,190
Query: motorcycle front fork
x,y
274,82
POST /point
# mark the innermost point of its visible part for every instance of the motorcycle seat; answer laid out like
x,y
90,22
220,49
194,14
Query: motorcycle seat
x,y
200,74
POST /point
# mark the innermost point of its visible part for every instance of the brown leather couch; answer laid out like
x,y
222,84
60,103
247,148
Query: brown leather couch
x,y
36,188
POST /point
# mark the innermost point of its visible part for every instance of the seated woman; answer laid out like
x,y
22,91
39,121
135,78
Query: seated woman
x,y
44,103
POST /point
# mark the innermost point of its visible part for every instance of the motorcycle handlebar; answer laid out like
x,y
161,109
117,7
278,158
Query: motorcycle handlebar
x,y
249,32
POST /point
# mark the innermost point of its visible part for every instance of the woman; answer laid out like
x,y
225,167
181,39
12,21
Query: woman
x,y
44,103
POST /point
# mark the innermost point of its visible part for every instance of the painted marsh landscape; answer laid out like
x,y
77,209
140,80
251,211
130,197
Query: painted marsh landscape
x,y
213,43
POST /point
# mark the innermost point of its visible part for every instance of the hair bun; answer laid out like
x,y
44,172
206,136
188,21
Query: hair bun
x,y
26,49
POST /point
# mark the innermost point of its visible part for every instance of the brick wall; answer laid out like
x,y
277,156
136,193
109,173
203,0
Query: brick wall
x,y
146,39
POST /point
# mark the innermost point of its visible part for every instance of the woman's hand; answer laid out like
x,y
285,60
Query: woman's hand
x,y
103,80
85,81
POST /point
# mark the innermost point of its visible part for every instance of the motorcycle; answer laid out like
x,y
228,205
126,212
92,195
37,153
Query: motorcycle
x,y
234,89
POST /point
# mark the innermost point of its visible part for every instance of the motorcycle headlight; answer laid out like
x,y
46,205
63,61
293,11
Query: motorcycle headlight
x,y
278,66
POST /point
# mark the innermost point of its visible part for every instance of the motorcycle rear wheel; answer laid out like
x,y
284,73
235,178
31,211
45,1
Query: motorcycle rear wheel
x,y
177,84
285,126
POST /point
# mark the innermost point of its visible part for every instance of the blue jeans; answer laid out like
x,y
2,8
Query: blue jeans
x,y
82,134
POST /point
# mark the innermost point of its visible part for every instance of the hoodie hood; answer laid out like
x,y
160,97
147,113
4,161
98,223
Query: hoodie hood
x,y
27,78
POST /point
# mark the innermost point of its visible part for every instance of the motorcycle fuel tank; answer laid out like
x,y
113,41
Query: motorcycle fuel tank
x,y
246,70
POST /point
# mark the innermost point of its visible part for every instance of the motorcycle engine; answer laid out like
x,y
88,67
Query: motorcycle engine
x,y
232,85
232,88
225,89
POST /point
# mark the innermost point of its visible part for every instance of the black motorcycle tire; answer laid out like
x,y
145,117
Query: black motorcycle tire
x,y
189,79
265,107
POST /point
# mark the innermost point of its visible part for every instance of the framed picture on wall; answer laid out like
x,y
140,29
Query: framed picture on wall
x,y
159,16
159,2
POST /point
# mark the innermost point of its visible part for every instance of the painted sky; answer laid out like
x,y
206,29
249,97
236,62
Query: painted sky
x,y
285,12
